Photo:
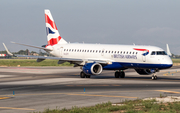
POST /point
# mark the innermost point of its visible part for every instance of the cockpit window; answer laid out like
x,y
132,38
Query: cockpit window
x,y
153,53
158,53
161,53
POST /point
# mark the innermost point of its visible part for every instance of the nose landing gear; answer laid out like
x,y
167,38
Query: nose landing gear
x,y
154,77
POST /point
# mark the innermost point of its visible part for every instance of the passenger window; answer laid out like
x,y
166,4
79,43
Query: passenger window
x,y
64,49
136,52
133,52
129,52
69,49
99,51
84,50
93,51
118,52
75,50
124,52
78,50
106,51
87,50
109,51
112,52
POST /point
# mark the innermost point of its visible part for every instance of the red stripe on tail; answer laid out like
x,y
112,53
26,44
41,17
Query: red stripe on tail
x,y
53,41
48,20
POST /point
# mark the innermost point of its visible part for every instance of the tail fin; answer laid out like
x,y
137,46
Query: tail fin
x,y
53,35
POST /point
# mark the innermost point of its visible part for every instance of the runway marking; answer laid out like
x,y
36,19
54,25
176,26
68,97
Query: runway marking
x,y
1,98
16,108
170,73
167,91
101,95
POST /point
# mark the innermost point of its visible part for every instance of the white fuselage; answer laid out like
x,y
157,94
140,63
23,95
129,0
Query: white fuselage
x,y
112,53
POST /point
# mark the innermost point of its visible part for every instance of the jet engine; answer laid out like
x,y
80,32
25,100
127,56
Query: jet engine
x,y
145,71
92,68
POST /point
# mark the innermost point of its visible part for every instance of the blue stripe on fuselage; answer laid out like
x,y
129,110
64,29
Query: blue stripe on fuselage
x,y
123,65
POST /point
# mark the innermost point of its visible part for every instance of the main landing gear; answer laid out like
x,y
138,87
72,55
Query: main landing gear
x,y
119,74
83,75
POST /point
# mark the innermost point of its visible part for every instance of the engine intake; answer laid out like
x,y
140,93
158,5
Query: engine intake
x,y
92,68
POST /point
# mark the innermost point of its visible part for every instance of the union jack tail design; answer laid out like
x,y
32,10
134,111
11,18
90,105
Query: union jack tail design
x,y
53,35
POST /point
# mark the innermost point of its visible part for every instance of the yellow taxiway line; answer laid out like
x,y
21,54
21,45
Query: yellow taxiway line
x,y
170,73
1,98
71,94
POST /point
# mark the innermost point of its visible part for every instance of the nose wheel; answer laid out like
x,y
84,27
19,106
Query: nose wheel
x,y
154,77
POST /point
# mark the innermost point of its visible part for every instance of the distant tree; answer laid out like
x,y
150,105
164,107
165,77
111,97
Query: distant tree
x,y
3,52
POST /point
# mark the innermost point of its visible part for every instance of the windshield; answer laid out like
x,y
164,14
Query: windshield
x,y
158,53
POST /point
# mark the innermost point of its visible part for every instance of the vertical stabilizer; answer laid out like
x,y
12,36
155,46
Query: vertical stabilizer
x,y
168,50
53,36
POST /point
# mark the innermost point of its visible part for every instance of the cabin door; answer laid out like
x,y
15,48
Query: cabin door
x,y
144,56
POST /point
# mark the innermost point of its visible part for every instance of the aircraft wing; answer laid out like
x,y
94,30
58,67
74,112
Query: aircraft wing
x,y
168,50
41,58
31,46
44,57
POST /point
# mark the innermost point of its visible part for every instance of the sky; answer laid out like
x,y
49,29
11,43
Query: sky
x,y
142,22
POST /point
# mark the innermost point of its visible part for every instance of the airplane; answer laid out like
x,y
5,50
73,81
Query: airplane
x,y
94,58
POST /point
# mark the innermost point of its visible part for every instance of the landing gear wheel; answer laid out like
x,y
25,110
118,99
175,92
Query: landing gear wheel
x,y
117,74
122,74
82,74
88,76
154,77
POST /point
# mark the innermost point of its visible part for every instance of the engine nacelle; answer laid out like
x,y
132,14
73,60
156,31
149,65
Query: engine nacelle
x,y
145,71
92,68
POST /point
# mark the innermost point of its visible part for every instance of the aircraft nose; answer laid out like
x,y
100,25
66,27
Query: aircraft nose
x,y
168,62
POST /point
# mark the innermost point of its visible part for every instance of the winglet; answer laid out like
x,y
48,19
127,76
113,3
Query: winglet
x,y
9,53
168,50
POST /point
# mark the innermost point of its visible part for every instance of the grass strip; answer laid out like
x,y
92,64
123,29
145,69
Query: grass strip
x,y
137,106
31,62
